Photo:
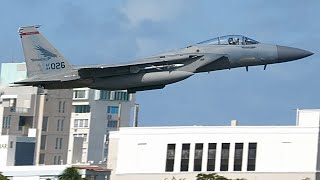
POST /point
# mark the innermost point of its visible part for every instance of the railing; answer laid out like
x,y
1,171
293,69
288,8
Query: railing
x,y
19,109
24,129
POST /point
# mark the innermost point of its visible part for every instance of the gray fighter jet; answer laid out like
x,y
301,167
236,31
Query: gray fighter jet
x,y
47,68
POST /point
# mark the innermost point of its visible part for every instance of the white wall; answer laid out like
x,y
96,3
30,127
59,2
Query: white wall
x,y
308,118
279,149
4,147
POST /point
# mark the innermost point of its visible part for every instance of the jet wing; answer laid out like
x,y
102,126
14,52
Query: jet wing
x,y
148,64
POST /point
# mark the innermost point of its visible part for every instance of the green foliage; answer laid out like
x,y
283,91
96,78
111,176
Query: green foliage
x,y
2,177
70,173
212,176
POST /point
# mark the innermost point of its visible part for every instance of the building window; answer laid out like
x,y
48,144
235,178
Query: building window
x,y
58,124
105,95
121,96
114,95
185,155
55,160
43,142
60,143
59,160
44,123
6,122
79,94
225,157
198,157
41,158
112,124
81,123
237,166
63,106
252,153
81,108
112,109
84,136
59,108
62,125
57,142
11,144
212,149
170,157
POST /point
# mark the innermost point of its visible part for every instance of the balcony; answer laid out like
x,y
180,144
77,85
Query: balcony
x,y
24,130
19,109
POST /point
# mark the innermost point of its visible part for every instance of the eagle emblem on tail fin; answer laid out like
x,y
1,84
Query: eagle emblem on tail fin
x,y
45,52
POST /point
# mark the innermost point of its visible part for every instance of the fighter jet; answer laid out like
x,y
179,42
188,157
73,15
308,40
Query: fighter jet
x,y
48,69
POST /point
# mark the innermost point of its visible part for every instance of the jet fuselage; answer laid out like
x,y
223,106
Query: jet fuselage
x,y
47,68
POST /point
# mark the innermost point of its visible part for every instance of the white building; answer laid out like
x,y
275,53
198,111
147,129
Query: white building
x,y
94,114
250,152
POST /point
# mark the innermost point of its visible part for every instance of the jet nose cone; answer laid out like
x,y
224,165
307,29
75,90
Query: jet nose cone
x,y
290,54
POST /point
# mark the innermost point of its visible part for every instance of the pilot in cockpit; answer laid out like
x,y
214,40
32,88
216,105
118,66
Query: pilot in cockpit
x,y
236,41
230,41
233,41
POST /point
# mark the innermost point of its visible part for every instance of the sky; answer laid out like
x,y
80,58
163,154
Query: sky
x,y
110,32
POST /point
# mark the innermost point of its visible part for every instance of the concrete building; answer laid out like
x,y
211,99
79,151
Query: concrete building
x,y
38,113
52,172
35,113
250,152
94,114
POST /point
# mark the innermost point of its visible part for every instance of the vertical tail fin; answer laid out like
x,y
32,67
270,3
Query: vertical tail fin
x,y
40,56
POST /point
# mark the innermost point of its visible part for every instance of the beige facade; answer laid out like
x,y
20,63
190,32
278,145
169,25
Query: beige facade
x,y
44,114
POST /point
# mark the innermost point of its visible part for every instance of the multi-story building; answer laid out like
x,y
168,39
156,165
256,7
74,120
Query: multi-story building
x,y
94,114
249,152
43,114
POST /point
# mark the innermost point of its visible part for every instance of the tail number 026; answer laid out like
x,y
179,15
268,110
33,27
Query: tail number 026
x,y
57,65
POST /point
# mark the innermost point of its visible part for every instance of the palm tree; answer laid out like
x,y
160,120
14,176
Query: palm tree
x,y
2,177
70,173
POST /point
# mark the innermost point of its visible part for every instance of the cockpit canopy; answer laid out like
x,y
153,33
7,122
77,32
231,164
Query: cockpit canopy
x,y
229,40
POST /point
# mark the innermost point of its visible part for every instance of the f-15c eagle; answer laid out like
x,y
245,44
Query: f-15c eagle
x,y
47,68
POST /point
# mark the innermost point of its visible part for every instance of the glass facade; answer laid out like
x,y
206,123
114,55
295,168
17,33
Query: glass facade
x,y
212,148
81,108
79,94
112,123
252,153
112,109
238,153
114,95
210,162
185,155
198,152
224,163
170,157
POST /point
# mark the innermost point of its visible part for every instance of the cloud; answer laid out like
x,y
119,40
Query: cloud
x,y
138,11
